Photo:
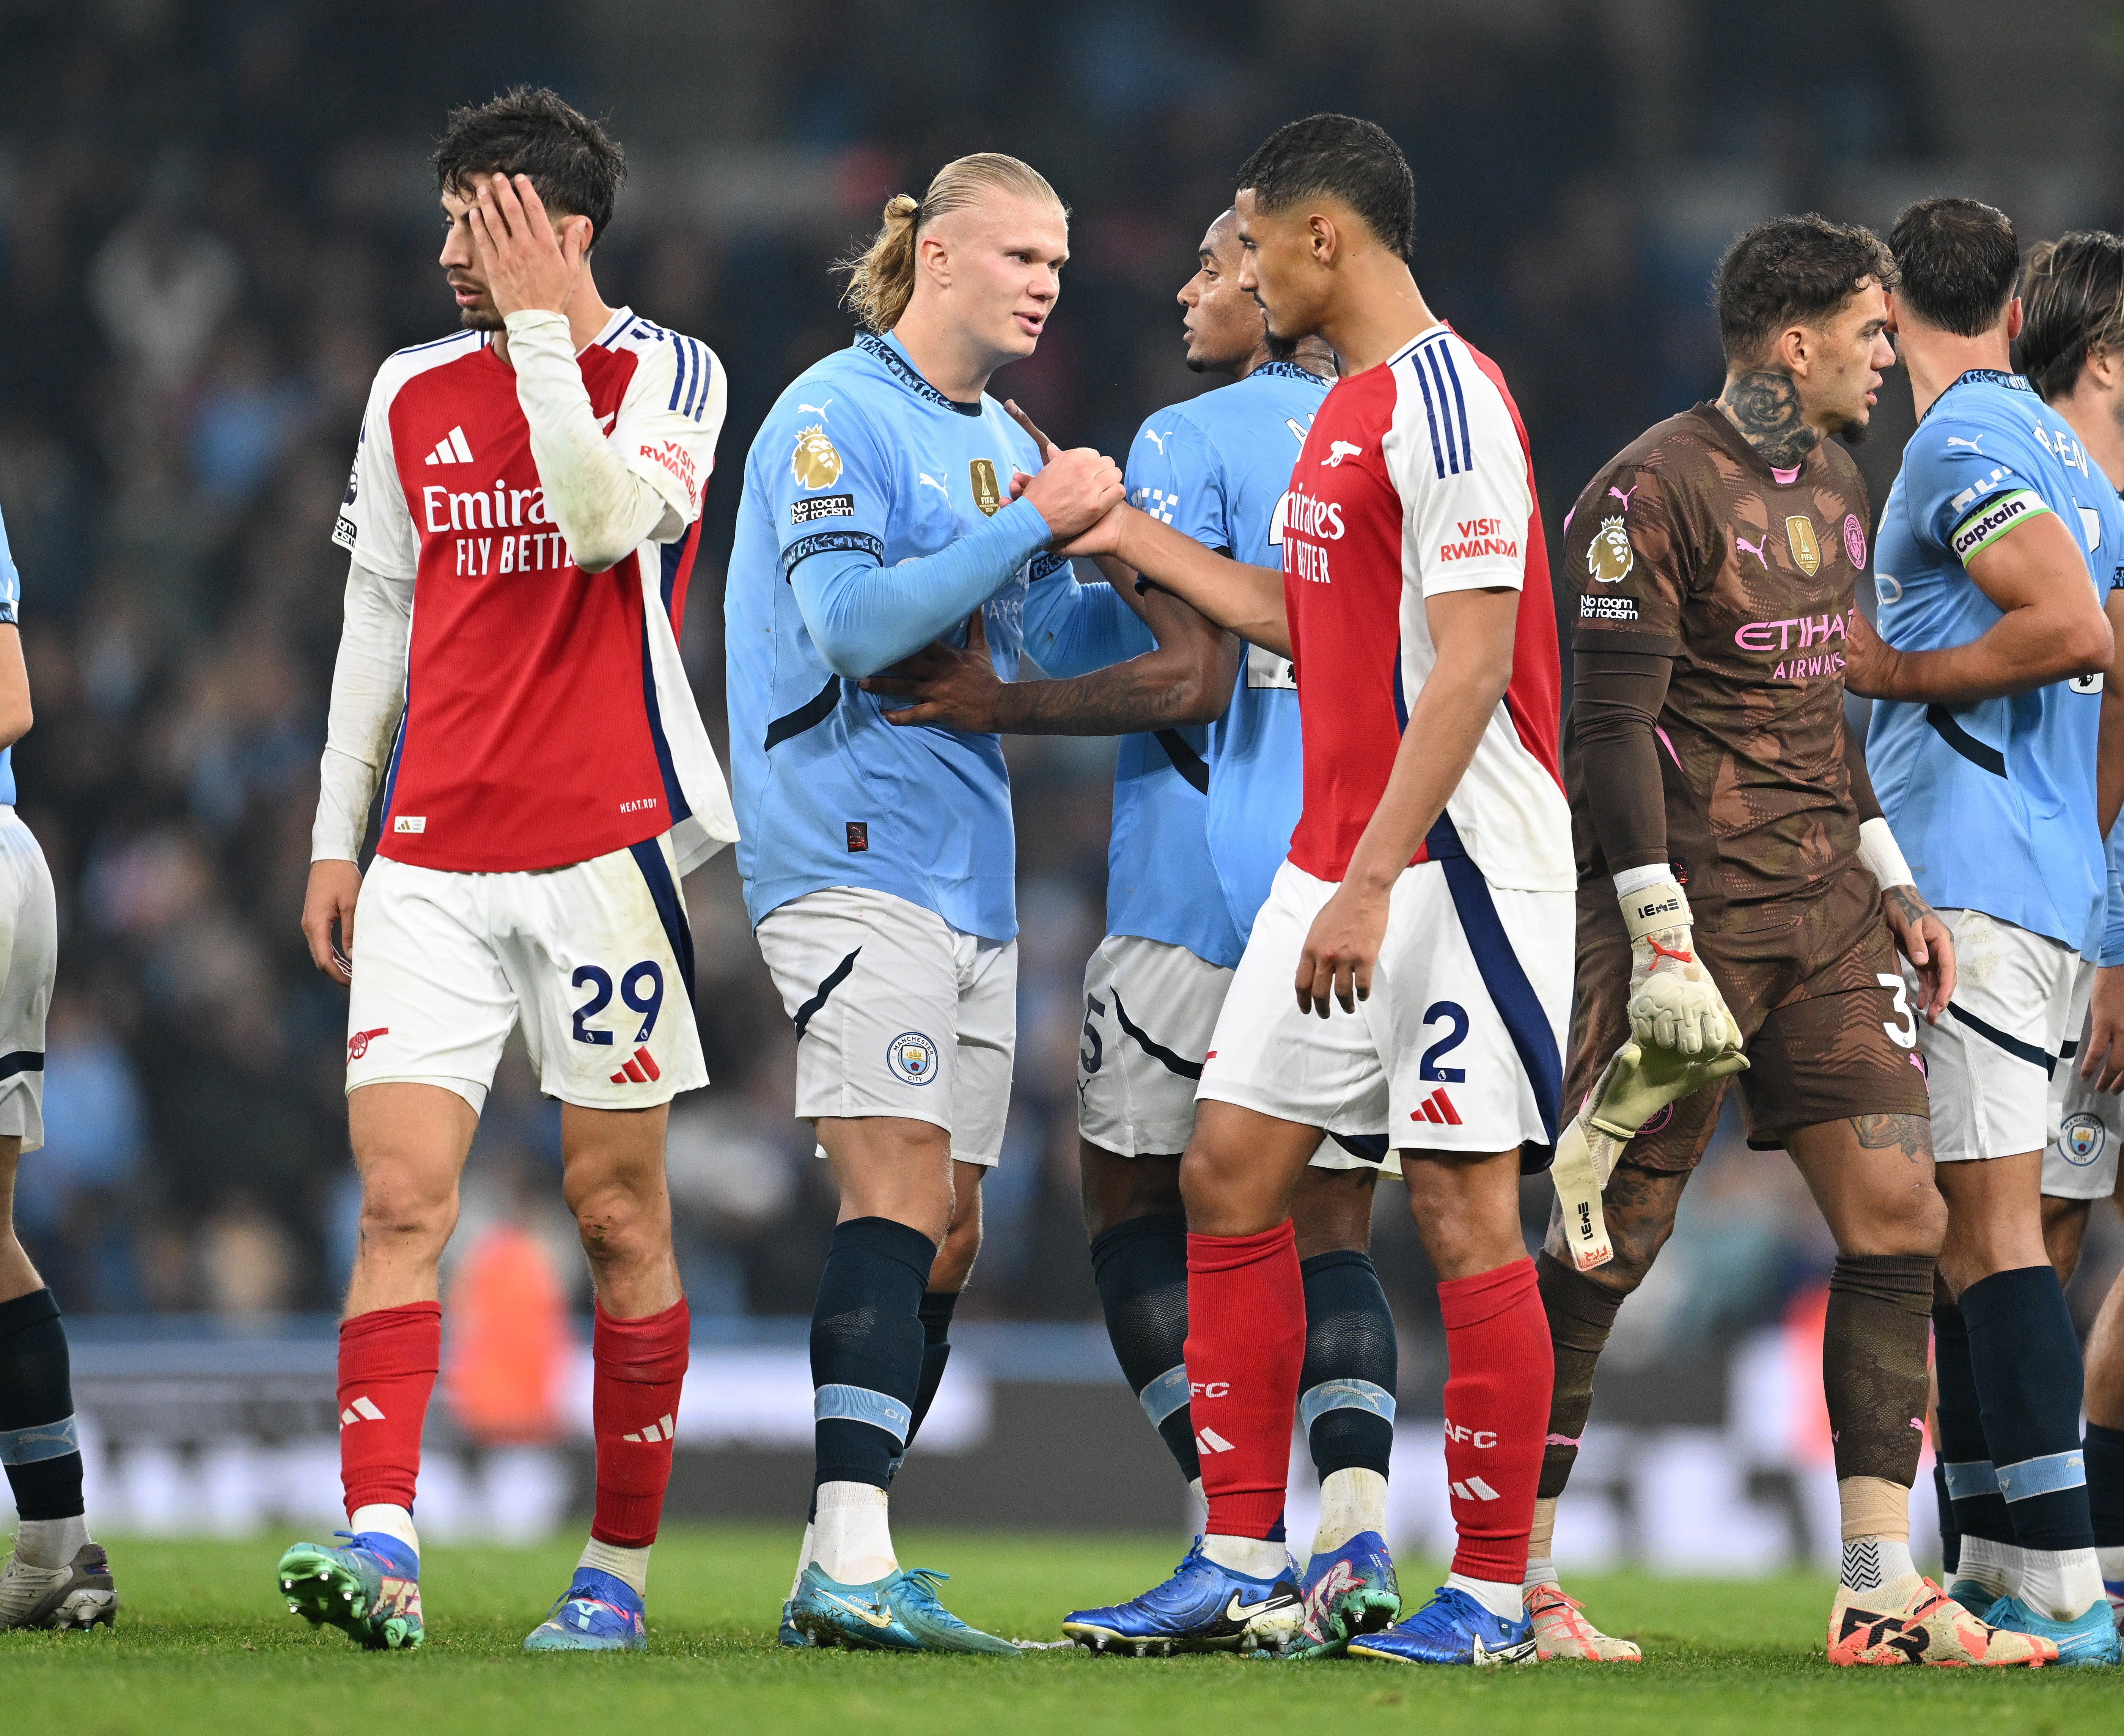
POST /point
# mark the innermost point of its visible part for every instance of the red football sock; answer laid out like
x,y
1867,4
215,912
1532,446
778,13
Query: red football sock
x,y
1246,1344
387,1360
640,1366
1500,1367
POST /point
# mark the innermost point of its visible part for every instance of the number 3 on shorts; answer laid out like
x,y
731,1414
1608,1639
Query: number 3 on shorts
x,y
648,1004
1905,1034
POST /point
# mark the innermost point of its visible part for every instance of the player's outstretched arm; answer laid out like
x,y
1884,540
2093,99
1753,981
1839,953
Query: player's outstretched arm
x,y
2052,628
1234,595
1473,632
1187,678
864,617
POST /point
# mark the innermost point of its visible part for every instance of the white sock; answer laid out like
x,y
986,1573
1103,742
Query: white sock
x,y
1870,1563
50,1542
394,1522
1501,1598
1201,1500
2113,1564
803,1561
1540,1570
851,1539
1352,1501
2060,1585
630,1566
1994,1566
1255,1557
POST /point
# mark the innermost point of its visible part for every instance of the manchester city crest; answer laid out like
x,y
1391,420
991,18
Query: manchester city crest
x,y
912,1057
2080,1139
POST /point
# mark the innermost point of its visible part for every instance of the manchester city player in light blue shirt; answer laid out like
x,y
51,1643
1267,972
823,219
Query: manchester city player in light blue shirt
x,y
877,861
58,1577
1206,790
1984,758
2072,350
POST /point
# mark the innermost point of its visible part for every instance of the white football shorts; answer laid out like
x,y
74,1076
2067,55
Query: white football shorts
x,y
596,959
1991,1061
2079,1162
1460,1047
1150,1011
897,1013
29,961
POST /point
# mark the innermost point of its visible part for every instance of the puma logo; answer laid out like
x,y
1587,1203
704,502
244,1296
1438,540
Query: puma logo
x,y
1743,546
932,481
1956,439
1623,496
1156,438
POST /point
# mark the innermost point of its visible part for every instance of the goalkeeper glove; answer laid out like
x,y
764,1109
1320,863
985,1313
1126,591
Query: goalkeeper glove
x,y
1635,1086
1674,1004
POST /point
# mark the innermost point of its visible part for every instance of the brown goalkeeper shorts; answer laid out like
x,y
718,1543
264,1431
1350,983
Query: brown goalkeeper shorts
x,y
1815,986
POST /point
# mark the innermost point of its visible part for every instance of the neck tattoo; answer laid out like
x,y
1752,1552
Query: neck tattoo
x,y
1765,406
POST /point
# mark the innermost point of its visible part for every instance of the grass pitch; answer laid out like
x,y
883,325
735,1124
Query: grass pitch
x,y
205,1643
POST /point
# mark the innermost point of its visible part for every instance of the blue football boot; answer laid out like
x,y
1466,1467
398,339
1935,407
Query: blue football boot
x,y
599,1612
1347,1592
2090,1638
788,1633
898,1613
1452,1628
1203,1607
370,1590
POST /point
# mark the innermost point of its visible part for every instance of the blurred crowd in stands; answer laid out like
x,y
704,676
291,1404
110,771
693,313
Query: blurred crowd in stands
x,y
215,223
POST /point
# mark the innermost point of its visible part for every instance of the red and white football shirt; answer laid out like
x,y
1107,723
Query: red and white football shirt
x,y
548,719
1414,481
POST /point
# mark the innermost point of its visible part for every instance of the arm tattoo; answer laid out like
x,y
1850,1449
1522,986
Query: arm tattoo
x,y
1764,406
1116,701
1911,1134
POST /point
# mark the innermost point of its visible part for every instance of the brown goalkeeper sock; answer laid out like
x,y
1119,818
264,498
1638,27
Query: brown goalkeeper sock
x,y
1581,1314
1873,1371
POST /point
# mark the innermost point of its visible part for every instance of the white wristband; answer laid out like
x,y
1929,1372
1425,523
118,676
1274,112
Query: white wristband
x,y
1883,860
1636,879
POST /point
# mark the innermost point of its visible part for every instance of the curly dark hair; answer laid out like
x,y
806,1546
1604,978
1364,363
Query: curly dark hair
x,y
1790,269
574,165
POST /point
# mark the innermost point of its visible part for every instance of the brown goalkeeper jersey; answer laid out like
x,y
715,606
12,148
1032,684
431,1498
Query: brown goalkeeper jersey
x,y
1687,545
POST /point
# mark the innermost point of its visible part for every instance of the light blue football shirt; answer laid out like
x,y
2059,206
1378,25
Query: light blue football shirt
x,y
2106,560
861,468
1202,814
10,604
1993,802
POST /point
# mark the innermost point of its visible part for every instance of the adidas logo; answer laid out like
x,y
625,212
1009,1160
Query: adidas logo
x,y
1437,1109
640,1068
1475,1490
664,1430
1208,1440
451,450
363,1410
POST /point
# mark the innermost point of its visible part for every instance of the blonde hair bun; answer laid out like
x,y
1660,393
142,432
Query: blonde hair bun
x,y
881,277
